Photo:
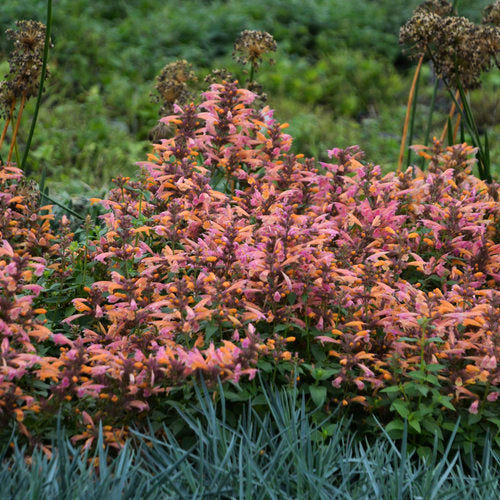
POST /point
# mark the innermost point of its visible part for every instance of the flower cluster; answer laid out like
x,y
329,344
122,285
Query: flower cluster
x,y
25,238
229,251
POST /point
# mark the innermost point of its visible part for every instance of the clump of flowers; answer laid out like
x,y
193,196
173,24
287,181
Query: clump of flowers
x,y
230,253
25,244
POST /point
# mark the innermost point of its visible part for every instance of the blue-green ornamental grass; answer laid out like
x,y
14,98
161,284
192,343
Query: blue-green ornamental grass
x,y
271,452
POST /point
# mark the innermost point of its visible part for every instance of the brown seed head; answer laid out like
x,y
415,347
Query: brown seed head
x,y
219,75
420,31
491,14
25,60
172,85
252,45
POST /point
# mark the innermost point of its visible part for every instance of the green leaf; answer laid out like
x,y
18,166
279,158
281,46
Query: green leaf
x,y
210,330
495,421
424,452
434,367
401,407
430,425
322,374
319,353
395,425
265,366
438,340
318,394
291,298
415,424
281,328
391,389
446,402
418,375
432,379
237,396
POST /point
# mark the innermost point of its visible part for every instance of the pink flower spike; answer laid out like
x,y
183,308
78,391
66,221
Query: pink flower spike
x,y
333,152
60,339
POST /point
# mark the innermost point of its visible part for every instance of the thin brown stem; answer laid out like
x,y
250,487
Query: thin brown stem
x,y
457,126
4,131
16,129
408,112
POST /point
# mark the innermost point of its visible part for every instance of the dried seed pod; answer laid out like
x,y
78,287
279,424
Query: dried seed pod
x,y
219,75
172,85
460,49
252,45
441,8
25,60
420,31
491,14
463,50
158,132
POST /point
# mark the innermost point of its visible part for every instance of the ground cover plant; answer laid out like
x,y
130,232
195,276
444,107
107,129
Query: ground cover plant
x,y
270,457
233,261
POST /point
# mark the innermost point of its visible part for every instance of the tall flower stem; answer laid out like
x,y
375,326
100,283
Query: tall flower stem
x,y
4,131
457,126
16,128
408,112
48,25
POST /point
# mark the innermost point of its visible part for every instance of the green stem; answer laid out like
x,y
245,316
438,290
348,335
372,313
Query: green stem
x,y
73,213
252,71
42,81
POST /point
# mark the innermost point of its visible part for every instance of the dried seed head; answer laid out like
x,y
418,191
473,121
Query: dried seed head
x,y
441,8
25,60
219,75
172,85
463,50
159,131
252,45
7,99
420,31
460,49
491,14
258,89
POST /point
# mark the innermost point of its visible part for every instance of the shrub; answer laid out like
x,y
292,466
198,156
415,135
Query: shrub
x,y
229,254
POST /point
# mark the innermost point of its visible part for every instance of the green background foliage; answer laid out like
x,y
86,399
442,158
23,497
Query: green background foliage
x,y
340,77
